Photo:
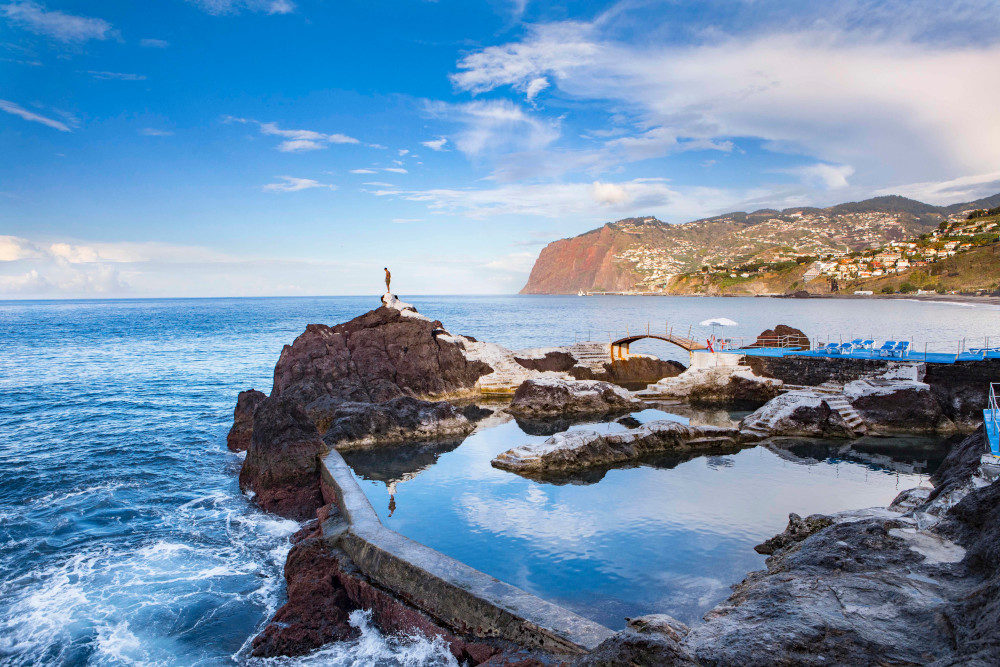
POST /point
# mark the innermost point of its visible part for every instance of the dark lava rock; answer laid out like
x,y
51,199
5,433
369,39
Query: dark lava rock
x,y
404,418
640,370
282,466
782,336
380,355
555,360
246,404
545,397
961,463
798,529
648,640
897,406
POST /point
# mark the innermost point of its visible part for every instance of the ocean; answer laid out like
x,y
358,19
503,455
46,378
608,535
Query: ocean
x,y
124,537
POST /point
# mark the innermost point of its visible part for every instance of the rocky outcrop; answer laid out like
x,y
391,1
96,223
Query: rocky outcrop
x,y
798,529
897,406
580,450
378,356
782,336
795,413
348,425
246,404
554,397
282,467
648,640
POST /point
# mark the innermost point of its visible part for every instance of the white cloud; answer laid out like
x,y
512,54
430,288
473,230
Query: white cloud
x,y
219,7
515,262
297,141
403,151
154,43
953,191
435,144
610,193
363,171
57,25
535,86
120,76
395,170
496,126
883,102
17,110
292,184
153,132
826,176
13,249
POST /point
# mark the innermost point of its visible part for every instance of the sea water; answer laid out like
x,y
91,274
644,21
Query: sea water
x,y
123,534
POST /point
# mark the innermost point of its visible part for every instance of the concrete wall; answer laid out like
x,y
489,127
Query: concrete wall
x,y
463,599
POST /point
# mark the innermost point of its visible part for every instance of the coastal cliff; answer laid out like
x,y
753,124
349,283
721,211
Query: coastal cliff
x,y
763,252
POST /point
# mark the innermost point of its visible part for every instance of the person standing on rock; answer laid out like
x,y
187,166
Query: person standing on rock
x,y
388,277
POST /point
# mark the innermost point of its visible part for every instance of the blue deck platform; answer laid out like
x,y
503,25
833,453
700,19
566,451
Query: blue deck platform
x,y
990,419
929,357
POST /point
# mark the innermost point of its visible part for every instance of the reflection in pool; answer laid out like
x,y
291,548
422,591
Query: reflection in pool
x,y
666,536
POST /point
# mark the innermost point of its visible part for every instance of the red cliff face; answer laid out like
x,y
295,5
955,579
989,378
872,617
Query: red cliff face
x,y
580,263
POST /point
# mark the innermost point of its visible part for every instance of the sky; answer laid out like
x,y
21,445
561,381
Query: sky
x,y
295,147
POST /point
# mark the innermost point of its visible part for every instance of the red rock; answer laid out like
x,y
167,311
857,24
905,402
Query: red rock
x,y
375,357
246,404
282,464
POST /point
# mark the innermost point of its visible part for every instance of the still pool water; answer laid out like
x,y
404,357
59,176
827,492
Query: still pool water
x,y
667,536
123,534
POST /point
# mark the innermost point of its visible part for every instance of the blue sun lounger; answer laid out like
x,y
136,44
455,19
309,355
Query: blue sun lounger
x,y
887,348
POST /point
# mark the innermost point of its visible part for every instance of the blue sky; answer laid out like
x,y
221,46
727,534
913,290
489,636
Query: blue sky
x,y
273,147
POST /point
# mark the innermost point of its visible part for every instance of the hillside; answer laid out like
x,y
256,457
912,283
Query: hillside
x,y
647,255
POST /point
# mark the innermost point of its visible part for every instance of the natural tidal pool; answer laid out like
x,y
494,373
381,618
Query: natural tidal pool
x,y
666,535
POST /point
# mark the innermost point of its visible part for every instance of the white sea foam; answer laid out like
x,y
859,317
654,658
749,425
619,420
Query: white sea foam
x,y
373,648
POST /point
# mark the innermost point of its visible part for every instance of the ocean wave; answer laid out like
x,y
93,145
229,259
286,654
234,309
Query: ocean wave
x,y
371,648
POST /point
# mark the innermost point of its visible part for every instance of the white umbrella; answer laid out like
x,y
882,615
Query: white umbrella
x,y
717,322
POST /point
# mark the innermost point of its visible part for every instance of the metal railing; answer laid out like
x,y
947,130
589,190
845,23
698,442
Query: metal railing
x,y
993,408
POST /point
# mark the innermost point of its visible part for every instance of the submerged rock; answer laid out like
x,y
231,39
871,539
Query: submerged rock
x,y
352,425
246,404
579,450
554,397
282,467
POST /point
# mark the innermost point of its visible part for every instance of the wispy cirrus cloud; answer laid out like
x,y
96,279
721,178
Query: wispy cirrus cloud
x,y
220,7
596,200
60,26
116,76
495,126
20,111
297,141
151,43
292,184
